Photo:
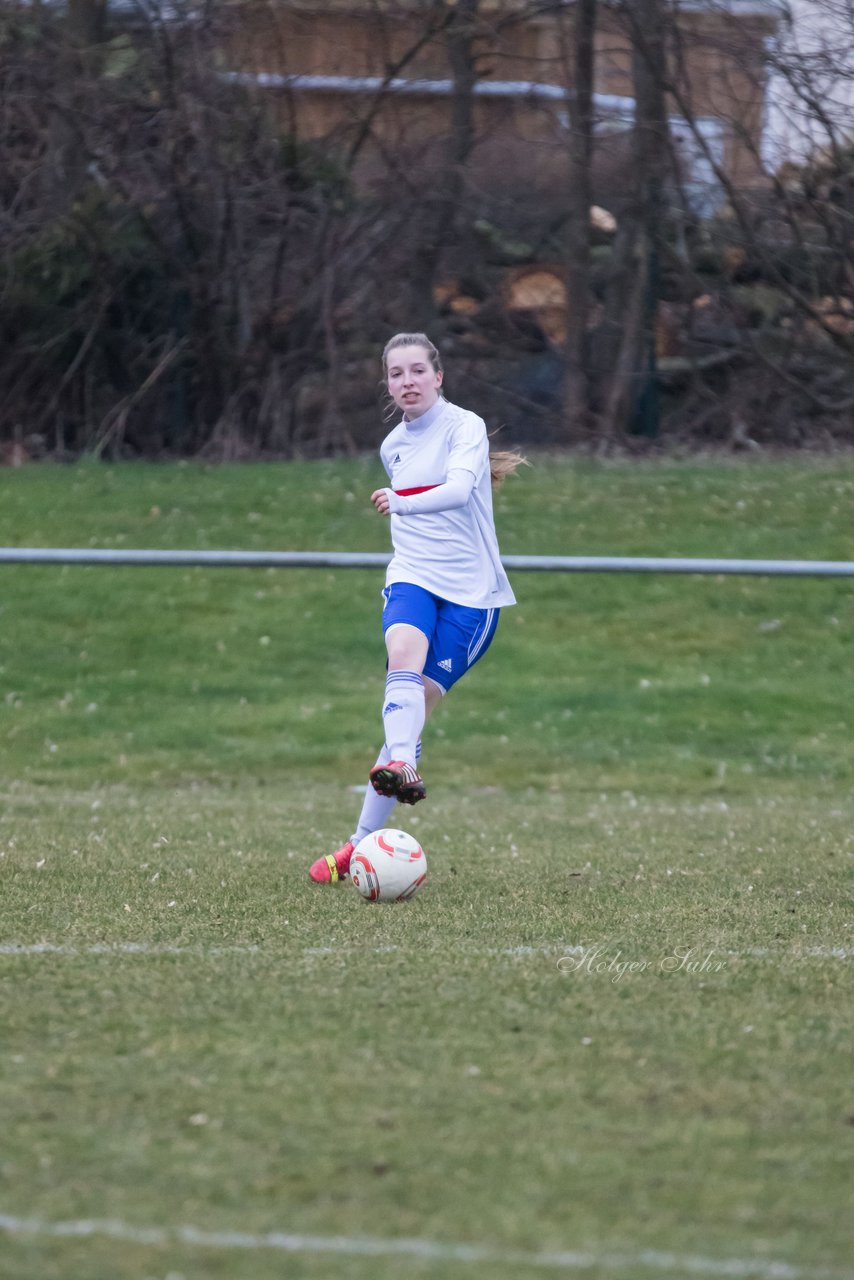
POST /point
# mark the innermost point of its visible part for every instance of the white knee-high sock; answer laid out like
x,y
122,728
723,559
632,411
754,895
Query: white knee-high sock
x,y
376,810
403,714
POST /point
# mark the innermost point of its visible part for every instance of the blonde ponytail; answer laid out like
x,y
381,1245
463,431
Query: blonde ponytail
x,y
504,464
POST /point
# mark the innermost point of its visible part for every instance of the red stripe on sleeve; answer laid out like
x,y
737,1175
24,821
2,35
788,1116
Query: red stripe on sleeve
x,y
408,493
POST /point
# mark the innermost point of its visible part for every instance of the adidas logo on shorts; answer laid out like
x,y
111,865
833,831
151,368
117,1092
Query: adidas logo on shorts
x,y
445,664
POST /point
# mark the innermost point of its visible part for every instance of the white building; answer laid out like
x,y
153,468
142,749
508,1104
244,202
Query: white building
x,y
810,96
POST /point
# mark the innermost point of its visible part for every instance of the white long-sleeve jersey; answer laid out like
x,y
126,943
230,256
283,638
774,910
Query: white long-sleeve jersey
x,y
442,526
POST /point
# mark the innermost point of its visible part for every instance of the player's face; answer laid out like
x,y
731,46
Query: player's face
x,y
413,383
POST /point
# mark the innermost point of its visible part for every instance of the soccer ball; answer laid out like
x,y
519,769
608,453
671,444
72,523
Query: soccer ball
x,y
388,866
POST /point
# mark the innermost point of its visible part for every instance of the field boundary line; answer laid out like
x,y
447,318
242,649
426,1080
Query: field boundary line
x,y
430,1250
124,948
10,949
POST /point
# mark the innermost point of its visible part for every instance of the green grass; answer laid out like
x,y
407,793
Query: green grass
x,y
641,767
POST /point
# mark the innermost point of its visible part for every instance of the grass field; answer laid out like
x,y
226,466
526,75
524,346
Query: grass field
x,y
612,1036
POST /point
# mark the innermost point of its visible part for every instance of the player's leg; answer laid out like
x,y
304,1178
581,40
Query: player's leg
x,y
377,809
403,705
404,713
375,814
409,617
426,658
409,614
433,695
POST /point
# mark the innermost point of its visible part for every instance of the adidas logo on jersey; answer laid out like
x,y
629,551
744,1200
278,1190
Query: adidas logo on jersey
x,y
445,664
395,459
391,706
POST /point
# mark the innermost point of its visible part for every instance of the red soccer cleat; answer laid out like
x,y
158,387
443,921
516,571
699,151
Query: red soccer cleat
x,y
335,867
400,780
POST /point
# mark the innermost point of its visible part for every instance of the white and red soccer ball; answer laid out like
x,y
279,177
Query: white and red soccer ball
x,y
388,866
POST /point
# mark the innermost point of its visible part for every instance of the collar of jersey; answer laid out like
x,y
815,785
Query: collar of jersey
x,y
427,419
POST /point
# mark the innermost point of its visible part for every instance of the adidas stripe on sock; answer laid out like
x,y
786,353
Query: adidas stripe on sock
x,y
403,714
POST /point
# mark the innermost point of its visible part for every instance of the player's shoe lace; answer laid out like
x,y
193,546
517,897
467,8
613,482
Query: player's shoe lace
x,y
398,779
334,867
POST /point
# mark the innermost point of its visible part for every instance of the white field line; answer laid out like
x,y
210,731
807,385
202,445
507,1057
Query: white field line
x,y
120,949
555,949
430,1250
547,950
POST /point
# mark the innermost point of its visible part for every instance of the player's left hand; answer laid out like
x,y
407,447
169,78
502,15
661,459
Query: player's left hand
x,y
379,498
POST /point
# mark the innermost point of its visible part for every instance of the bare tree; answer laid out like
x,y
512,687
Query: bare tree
x,y
790,235
577,50
190,265
626,342
442,221
81,35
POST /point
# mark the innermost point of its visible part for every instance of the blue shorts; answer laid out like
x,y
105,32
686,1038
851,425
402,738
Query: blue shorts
x,y
458,635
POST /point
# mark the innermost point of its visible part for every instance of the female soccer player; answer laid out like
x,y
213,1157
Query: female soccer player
x,y
445,584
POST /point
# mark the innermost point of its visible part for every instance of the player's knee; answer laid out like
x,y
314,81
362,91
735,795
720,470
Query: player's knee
x,y
407,649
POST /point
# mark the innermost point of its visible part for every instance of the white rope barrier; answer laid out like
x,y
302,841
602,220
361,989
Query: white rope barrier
x,y
379,559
